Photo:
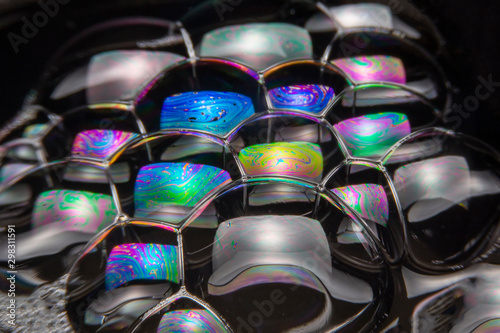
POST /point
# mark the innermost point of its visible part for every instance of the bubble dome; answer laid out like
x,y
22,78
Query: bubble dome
x,y
250,167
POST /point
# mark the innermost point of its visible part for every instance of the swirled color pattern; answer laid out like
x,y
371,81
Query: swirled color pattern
x,y
364,69
300,159
371,135
74,210
168,185
139,261
258,45
100,143
211,111
195,321
306,97
369,200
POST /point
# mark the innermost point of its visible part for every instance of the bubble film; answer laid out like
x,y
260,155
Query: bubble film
x,y
377,68
369,200
307,97
136,261
190,321
161,187
300,159
74,210
100,143
258,45
443,182
211,111
372,135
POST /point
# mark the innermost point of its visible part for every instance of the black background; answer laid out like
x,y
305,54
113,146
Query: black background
x,y
470,28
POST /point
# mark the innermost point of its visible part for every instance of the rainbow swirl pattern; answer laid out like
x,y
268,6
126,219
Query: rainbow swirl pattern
x,y
74,210
369,200
365,69
162,185
211,111
196,321
371,135
139,261
100,143
258,45
299,159
305,97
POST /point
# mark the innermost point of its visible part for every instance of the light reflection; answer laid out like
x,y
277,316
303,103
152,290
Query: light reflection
x,y
288,245
258,45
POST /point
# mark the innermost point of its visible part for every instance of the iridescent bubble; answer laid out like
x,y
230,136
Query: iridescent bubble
x,y
258,45
138,261
211,111
74,210
305,97
371,135
448,187
299,159
376,68
163,189
196,321
100,143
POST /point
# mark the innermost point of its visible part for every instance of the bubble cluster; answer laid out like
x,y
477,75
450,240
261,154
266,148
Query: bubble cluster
x,y
235,176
